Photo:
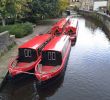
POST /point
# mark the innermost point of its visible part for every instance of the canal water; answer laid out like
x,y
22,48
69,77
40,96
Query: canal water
x,y
87,74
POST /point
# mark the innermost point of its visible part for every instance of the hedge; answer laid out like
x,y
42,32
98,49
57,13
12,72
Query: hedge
x,y
19,30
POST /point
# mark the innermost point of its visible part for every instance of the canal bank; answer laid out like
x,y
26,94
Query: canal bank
x,y
102,19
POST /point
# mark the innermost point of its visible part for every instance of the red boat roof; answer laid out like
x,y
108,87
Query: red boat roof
x,y
60,24
35,42
73,22
72,25
57,43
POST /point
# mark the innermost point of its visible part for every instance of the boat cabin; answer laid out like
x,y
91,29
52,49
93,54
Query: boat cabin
x,y
71,27
31,50
54,58
58,28
54,52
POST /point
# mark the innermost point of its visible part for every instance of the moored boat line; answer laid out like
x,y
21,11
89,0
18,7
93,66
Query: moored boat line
x,y
67,26
58,27
46,54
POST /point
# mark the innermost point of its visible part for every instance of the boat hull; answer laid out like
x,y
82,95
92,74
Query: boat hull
x,y
13,71
49,76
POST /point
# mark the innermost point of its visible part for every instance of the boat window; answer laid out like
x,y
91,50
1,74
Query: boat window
x,y
27,55
51,58
49,55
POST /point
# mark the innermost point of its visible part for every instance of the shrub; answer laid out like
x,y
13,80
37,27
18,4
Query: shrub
x,y
19,30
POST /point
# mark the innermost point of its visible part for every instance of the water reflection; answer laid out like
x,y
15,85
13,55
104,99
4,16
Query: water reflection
x,y
94,25
91,25
51,88
29,88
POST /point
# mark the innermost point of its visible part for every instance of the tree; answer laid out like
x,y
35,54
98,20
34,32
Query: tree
x,y
44,8
21,7
6,9
31,8
13,9
63,4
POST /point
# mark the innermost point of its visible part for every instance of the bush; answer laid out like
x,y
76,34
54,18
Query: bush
x,y
19,30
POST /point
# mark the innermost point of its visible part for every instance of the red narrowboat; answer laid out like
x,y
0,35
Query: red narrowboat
x,y
72,29
58,28
54,58
29,55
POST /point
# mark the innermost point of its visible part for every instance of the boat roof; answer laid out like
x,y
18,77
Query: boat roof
x,y
57,43
60,23
73,22
35,42
68,27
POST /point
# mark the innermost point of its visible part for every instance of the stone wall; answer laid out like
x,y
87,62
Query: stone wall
x,y
102,17
6,41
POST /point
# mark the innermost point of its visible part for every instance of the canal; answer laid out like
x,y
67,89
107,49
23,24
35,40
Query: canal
x,y
87,74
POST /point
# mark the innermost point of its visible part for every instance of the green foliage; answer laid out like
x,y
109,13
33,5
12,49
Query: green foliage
x,y
7,10
19,30
44,8
31,9
63,4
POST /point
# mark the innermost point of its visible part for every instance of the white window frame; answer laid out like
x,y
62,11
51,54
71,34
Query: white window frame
x,y
27,53
51,56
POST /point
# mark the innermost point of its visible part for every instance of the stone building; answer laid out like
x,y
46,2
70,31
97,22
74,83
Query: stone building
x,y
75,3
100,5
87,4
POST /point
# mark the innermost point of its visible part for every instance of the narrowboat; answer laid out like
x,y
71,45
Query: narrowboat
x,y
58,28
29,55
72,29
54,58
